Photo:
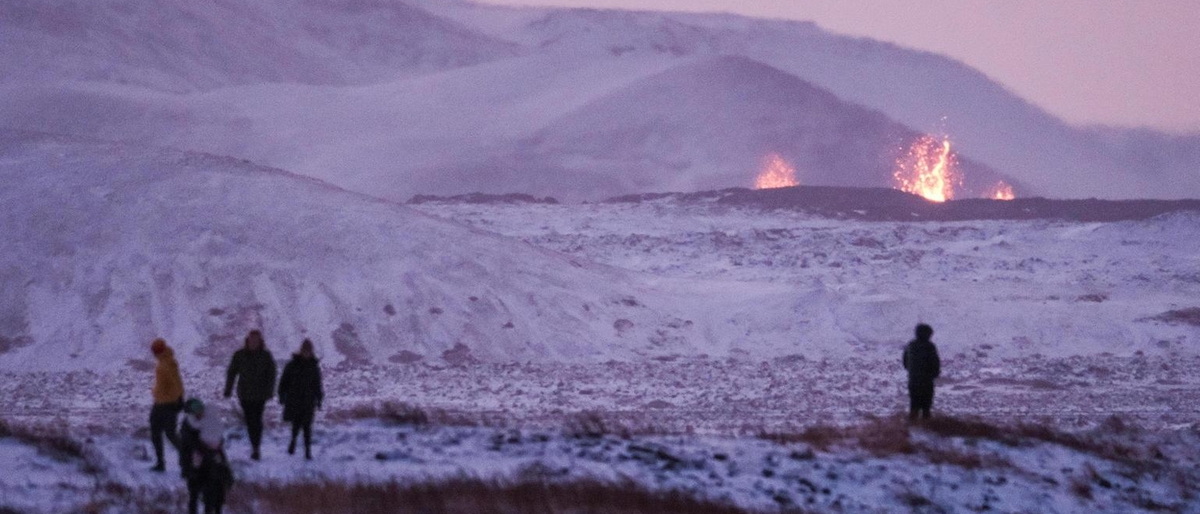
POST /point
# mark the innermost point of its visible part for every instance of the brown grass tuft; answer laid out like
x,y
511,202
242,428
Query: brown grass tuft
x,y
1188,316
879,436
400,413
49,438
592,424
587,424
1081,487
407,414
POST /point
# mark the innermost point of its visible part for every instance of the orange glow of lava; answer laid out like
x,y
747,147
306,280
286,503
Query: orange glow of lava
x,y
1000,191
776,173
929,170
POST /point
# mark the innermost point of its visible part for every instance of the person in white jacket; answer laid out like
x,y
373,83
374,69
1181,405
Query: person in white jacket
x,y
202,457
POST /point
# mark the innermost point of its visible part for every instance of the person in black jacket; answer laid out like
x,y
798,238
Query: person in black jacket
x,y
301,394
253,368
923,365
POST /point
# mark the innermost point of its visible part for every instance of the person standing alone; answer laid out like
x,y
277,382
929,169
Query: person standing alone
x,y
168,401
923,365
253,368
301,394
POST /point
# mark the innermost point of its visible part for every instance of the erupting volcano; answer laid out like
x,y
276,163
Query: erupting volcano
x,y
1000,191
929,169
776,173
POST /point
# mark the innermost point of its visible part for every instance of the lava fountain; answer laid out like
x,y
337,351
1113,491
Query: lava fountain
x,y
1000,191
776,173
929,169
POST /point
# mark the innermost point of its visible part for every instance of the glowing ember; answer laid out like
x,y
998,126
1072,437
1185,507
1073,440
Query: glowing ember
x,y
929,169
1000,191
776,173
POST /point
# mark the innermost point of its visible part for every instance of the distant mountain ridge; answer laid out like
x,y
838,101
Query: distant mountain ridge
x,y
443,97
929,92
186,46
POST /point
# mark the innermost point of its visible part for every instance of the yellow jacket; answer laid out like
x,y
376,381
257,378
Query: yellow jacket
x,y
168,386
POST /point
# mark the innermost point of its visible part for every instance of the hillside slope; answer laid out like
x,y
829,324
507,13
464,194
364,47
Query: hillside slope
x,y
709,123
179,45
109,246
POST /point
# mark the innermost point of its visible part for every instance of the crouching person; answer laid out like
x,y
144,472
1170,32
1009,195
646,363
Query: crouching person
x,y
202,457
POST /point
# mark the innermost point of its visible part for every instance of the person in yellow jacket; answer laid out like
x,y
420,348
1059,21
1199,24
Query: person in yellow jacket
x,y
168,401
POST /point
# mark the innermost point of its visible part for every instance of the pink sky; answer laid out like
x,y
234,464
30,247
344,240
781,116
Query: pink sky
x,y
1114,62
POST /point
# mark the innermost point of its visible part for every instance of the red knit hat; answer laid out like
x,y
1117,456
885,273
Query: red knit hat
x,y
158,346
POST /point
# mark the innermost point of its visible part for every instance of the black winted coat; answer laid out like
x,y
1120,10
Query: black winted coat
x,y
189,443
300,389
254,372
922,361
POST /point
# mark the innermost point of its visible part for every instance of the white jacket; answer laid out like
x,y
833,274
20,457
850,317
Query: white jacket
x,y
212,431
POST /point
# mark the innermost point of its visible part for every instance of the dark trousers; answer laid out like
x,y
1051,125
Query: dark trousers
x,y
214,496
920,395
163,417
253,411
298,426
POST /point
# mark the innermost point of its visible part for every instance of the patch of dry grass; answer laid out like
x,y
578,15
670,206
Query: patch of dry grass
x,y
49,438
406,414
468,496
1098,443
882,437
879,436
1189,316
588,423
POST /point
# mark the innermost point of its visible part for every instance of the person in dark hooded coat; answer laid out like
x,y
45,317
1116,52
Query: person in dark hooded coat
x,y
253,368
301,393
923,365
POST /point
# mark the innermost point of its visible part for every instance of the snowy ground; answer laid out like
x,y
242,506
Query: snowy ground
x,y
1002,288
878,467
1097,344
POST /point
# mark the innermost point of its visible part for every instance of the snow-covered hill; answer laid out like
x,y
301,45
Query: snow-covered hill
x,y
179,45
925,91
108,246
702,124
398,98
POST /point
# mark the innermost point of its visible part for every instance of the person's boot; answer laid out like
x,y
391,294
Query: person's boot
x,y
159,468
255,455
307,451
292,447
